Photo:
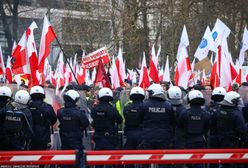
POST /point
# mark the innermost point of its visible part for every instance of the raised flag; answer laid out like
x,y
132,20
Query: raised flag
x,y
153,66
120,68
47,38
206,44
144,78
244,47
101,75
166,77
115,77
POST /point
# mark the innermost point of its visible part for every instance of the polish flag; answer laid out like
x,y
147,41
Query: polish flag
x,y
120,68
115,81
2,66
204,78
32,54
8,70
183,69
59,73
144,78
81,73
47,38
153,71
19,57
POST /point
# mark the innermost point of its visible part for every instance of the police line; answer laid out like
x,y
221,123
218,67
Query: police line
x,y
123,157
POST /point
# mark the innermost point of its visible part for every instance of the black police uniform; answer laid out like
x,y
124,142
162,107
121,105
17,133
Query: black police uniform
x,y
157,119
73,122
17,128
196,122
178,133
44,118
105,122
3,105
132,129
231,128
214,109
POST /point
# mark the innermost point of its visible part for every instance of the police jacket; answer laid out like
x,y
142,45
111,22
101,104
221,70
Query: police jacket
x,y
131,111
214,109
195,122
230,123
157,119
44,118
105,118
17,121
73,122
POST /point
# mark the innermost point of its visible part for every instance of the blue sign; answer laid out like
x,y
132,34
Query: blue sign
x,y
214,35
203,43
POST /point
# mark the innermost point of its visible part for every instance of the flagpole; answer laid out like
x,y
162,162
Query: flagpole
x,y
66,59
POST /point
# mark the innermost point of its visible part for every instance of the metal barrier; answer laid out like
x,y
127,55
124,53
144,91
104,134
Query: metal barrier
x,y
123,157
50,157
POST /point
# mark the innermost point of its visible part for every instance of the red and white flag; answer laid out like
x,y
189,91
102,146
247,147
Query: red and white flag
x,y
114,74
153,66
183,69
120,67
47,38
8,70
144,78
32,54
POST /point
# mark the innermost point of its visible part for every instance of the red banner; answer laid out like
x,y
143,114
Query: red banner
x,y
91,60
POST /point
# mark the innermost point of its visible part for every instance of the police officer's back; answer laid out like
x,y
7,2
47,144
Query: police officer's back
x,y
105,121
175,98
132,129
43,117
195,121
73,122
218,95
5,98
17,123
157,118
230,122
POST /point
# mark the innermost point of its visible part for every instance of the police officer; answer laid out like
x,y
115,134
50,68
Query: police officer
x,y
230,122
196,122
105,121
217,96
5,97
17,123
157,119
175,98
132,129
231,128
73,122
43,117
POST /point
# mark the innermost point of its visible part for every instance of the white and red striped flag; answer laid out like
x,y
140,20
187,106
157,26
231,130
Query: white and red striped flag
x,y
47,38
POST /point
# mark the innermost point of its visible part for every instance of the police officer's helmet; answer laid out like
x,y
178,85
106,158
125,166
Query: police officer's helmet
x,y
195,97
137,93
71,96
231,99
105,94
175,95
218,94
37,92
22,97
5,91
156,91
